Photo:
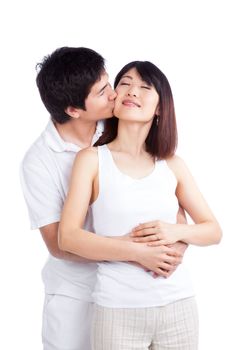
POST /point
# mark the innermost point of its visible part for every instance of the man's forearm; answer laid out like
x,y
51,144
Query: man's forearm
x,y
60,254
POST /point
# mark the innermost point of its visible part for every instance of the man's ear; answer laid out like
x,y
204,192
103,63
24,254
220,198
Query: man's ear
x,y
73,112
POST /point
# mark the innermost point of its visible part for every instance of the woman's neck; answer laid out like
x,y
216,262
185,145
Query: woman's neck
x,y
131,137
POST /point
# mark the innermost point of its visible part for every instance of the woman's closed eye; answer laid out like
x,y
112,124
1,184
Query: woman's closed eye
x,y
145,87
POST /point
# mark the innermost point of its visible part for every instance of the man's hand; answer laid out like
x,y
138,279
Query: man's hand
x,y
158,266
145,234
179,247
161,260
159,254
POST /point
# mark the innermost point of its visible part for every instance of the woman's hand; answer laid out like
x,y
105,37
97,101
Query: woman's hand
x,y
156,233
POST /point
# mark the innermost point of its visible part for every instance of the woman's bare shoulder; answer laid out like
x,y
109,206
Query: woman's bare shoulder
x,y
177,165
89,153
87,157
175,160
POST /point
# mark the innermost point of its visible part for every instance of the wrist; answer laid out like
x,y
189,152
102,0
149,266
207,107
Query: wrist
x,y
138,252
181,232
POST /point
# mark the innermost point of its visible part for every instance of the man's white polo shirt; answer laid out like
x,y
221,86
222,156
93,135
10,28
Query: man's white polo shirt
x,y
45,173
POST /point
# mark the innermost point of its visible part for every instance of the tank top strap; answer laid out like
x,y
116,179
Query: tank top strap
x,y
104,163
165,170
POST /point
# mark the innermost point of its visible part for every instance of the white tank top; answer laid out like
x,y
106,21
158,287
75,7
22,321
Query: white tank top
x,y
123,203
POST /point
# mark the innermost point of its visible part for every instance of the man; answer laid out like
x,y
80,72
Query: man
x,y
74,87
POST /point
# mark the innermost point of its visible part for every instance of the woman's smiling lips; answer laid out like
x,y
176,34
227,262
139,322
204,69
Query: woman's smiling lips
x,y
130,103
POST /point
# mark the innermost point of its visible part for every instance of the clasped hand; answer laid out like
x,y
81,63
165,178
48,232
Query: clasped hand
x,y
156,233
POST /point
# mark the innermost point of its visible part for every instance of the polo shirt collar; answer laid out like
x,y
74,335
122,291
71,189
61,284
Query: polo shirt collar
x,y
57,144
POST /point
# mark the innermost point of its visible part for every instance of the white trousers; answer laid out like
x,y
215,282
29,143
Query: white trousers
x,y
173,326
66,323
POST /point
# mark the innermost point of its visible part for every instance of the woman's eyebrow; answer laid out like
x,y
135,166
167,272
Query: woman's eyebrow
x,y
127,76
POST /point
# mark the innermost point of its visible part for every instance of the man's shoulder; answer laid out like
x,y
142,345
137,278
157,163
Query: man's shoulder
x,y
38,152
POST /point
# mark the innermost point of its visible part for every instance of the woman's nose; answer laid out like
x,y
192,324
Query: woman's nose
x,y
132,91
131,94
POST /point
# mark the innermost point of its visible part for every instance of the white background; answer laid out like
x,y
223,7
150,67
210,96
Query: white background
x,y
191,42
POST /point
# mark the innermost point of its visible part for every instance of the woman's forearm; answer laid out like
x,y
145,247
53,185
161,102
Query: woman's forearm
x,y
161,260
159,232
200,234
91,246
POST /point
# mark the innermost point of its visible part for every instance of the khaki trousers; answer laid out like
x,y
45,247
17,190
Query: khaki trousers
x,y
173,326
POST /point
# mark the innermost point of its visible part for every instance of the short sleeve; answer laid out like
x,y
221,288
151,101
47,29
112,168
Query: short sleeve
x,y
42,195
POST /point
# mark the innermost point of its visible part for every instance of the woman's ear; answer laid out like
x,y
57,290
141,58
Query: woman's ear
x,y
73,112
157,111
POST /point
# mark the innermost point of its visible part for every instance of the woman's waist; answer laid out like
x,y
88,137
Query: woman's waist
x,y
130,286
129,275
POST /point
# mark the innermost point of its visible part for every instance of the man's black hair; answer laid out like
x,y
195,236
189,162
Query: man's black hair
x,y
66,77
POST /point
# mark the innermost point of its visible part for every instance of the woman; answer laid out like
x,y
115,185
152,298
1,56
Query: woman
x,y
134,175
